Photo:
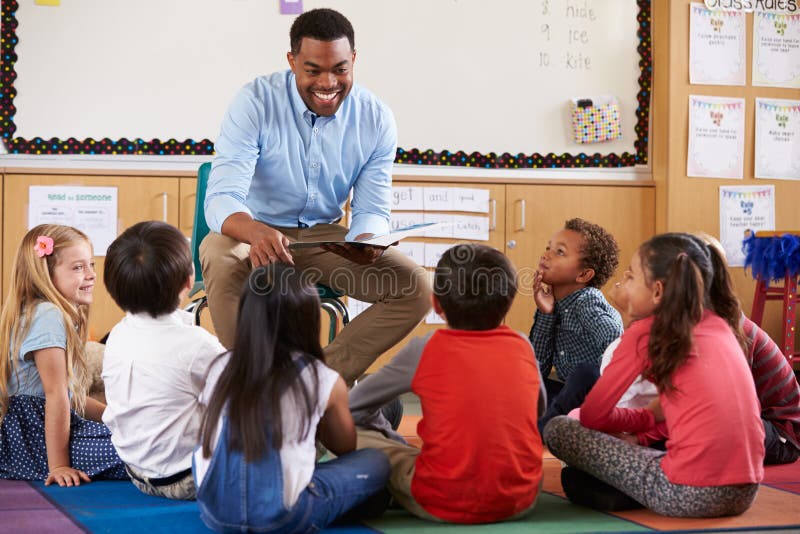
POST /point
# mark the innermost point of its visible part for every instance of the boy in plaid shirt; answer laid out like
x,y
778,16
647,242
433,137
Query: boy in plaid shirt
x,y
574,323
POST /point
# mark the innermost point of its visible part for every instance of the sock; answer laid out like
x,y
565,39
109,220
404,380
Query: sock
x,y
586,490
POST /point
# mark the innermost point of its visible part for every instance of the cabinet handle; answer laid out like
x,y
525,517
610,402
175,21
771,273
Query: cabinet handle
x,y
522,215
164,201
493,225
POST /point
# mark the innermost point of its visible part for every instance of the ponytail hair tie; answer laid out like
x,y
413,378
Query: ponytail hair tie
x,y
43,246
681,255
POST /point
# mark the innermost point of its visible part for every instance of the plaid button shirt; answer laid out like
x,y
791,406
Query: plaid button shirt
x,y
580,328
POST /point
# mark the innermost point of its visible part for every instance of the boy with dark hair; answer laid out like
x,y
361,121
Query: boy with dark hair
x,y
574,323
156,360
480,390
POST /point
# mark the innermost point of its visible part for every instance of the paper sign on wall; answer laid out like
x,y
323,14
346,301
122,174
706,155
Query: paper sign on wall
x,y
405,219
439,198
472,228
434,318
777,139
776,50
414,250
716,137
434,251
356,307
445,230
291,7
407,198
92,210
743,208
472,200
716,46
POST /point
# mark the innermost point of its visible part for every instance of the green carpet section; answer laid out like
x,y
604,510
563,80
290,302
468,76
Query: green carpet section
x,y
552,514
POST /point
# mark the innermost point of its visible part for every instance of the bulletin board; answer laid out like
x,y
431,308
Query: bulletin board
x,y
471,83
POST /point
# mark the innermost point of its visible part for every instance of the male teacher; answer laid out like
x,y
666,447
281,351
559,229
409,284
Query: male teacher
x,y
291,148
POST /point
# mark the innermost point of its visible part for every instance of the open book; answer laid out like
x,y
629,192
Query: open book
x,y
377,241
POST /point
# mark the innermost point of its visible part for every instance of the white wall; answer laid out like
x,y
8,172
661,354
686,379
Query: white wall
x,y
458,74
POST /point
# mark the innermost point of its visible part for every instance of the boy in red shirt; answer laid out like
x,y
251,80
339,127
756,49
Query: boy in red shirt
x,y
481,394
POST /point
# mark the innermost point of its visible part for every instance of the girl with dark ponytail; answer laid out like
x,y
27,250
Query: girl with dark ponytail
x,y
776,386
267,401
686,339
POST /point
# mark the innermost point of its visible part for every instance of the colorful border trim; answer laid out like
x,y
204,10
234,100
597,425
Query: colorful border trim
x,y
205,147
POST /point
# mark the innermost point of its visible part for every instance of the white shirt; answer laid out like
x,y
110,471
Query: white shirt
x,y
640,393
298,455
154,371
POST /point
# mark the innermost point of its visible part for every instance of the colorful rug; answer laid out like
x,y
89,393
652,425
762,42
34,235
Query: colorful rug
x,y
118,507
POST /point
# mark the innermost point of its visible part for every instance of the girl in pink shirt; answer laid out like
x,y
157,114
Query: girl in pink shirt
x,y
693,351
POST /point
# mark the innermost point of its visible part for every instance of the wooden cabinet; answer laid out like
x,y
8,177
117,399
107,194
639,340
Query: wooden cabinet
x,y
522,217
535,212
528,214
139,199
187,197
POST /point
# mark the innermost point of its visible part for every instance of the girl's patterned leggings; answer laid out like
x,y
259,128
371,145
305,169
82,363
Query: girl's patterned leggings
x,y
636,471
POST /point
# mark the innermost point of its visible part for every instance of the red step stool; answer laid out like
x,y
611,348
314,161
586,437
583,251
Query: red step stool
x,y
786,293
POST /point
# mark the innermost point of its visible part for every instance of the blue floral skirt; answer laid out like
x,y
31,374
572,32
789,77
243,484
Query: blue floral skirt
x,y
23,455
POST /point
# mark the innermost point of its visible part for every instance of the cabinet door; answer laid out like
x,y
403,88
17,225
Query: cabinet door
x,y
139,199
188,197
535,212
497,197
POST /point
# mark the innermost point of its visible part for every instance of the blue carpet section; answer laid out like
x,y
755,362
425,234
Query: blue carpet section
x,y
111,506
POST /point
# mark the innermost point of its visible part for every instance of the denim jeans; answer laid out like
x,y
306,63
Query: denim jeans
x,y
571,394
339,485
237,496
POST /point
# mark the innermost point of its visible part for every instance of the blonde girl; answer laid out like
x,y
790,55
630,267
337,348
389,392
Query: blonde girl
x,y
43,376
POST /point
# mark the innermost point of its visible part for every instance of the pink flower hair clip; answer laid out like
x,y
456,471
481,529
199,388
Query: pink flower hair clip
x,y
43,246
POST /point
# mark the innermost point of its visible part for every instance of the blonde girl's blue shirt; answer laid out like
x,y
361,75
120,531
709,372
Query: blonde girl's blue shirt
x,y
47,331
285,166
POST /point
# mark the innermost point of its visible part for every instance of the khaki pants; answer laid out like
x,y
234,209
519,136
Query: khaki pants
x,y
403,460
183,489
398,288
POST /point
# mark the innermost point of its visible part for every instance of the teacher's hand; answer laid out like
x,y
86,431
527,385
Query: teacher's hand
x,y
357,253
268,245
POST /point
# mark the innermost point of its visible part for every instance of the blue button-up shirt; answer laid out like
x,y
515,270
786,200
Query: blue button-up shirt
x,y
580,328
283,165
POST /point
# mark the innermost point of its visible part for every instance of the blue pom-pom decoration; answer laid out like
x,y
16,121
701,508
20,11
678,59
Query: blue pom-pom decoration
x,y
772,258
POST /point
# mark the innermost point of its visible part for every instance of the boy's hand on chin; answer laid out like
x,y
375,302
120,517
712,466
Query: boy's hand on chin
x,y
542,294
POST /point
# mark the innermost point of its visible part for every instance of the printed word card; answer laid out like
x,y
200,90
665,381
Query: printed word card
x,y
716,46
92,210
743,208
776,50
716,137
778,139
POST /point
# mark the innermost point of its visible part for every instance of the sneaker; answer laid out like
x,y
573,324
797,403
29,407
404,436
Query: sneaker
x,y
586,490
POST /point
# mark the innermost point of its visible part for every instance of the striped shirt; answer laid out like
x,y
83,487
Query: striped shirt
x,y
580,328
776,386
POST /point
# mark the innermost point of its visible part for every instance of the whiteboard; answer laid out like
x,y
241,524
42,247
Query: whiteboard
x,y
459,75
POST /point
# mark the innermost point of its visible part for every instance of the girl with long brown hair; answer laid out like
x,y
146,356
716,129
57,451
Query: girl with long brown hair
x,y
687,340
